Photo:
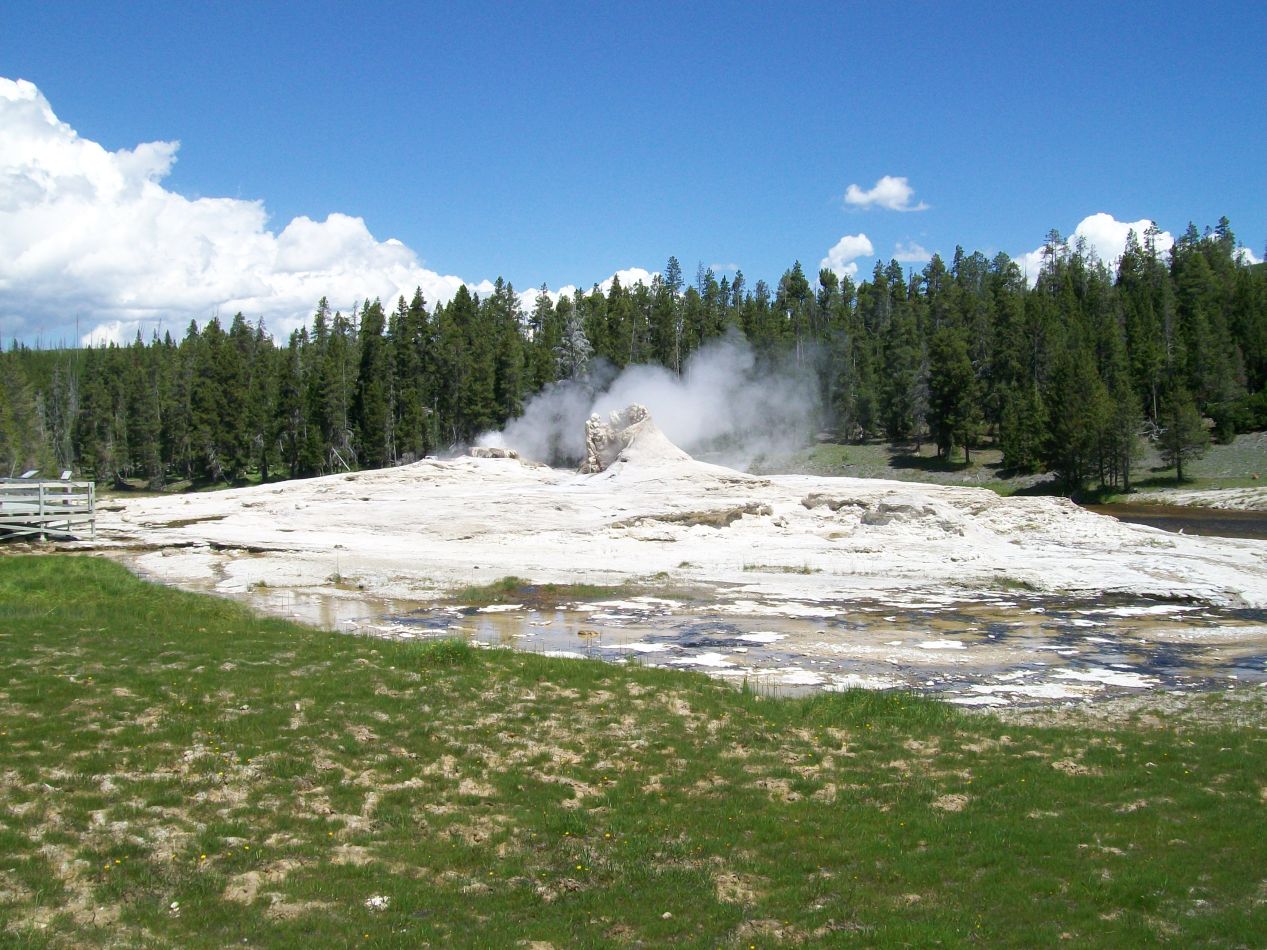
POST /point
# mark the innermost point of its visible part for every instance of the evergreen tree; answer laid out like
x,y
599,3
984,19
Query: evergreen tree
x,y
673,277
336,381
178,427
954,411
505,320
23,440
410,345
261,400
1022,429
1063,375
62,402
290,420
544,333
693,322
1078,415
640,304
372,413
793,303
573,351
1183,436
218,435
664,329
592,311
899,381
144,423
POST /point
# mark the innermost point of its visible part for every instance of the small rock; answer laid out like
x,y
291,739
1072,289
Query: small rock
x,y
491,452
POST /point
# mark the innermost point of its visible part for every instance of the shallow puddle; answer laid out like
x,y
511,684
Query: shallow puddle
x,y
972,648
1214,522
977,652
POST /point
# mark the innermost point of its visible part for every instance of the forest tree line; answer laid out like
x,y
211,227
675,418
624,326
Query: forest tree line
x,y
1068,375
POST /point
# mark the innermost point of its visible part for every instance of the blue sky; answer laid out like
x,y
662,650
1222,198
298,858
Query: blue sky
x,y
558,143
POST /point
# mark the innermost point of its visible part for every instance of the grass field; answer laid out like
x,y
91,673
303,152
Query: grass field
x,y
176,772
1224,466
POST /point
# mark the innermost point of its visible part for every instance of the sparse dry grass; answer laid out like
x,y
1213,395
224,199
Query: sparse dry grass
x,y
175,772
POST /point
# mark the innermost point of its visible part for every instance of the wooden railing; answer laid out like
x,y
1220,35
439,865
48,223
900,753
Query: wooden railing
x,y
44,508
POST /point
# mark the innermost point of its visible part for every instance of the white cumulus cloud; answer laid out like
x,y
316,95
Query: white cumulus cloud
x,y
1107,236
1104,235
910,253
91,233
842,258
892,192
629,278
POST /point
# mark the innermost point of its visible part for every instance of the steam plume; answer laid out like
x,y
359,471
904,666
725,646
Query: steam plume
x,y
723,407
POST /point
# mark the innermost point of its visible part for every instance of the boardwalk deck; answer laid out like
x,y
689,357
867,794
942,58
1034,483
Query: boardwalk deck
x,y
47,508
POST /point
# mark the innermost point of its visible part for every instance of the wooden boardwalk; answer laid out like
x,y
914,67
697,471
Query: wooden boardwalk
x,y
47,508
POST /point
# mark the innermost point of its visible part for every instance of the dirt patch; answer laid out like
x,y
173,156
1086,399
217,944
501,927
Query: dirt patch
x,y
362,734
281,909
771,930
353,854
827,794
580,790
469,786
244,888
779,789
1133,806
478,830
81,903
951,803
927,749
735,889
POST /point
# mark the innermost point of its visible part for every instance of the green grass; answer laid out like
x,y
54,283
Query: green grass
x,y
140,487
782,569
516,590
1003,582
903,462
178,772
1234,465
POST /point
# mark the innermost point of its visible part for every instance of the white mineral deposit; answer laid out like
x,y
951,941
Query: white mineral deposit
x,y
796,548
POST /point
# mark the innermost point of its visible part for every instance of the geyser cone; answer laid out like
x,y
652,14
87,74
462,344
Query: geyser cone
x,y
628,437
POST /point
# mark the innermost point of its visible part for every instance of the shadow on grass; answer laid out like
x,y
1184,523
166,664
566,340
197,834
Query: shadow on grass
x,y
1162,481
140,487
925,463
1049,488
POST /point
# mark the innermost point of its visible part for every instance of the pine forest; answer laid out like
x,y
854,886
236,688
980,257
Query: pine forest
x,y
1071,375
